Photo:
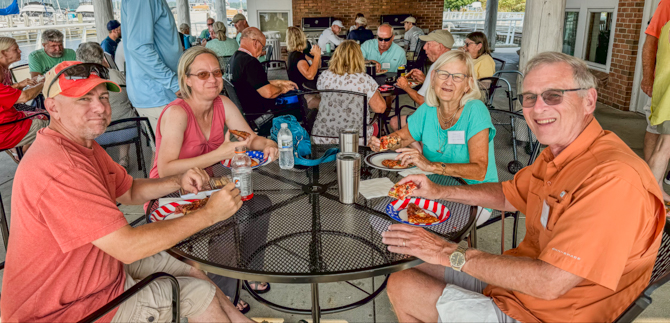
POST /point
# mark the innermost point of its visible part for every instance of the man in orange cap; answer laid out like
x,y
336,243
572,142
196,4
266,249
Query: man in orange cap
x,y
72,250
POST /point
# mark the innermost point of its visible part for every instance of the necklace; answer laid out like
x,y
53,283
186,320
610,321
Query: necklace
x,y
440,130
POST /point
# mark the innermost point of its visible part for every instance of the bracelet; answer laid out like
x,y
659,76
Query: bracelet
x,y
444,168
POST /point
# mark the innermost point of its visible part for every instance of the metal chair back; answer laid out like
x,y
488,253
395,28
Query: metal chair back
x,y
231,94
4,224
19,150
515,147
500,62
659,276
20,72
330,101
223,63
276,70
137,132
269,49
110,61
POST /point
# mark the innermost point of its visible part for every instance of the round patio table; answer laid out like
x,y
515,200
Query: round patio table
x,y
295,230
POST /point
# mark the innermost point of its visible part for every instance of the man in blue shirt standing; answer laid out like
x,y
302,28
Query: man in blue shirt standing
x,y
109,44
152,49
361,34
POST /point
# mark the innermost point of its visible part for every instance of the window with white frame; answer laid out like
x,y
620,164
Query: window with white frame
x,y
274,21
588,31
598,33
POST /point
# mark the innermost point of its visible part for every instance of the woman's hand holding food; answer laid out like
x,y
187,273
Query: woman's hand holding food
x,y
413,156
374,144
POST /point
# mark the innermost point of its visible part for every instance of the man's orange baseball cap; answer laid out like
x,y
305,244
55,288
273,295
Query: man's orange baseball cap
x,y
73,88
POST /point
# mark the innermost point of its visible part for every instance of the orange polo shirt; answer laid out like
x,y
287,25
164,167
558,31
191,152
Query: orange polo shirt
x,y
603,221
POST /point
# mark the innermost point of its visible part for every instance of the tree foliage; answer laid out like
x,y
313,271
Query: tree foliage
x,y
456,4
509,5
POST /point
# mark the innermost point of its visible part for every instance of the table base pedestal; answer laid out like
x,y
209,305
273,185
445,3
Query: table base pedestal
x,y
316,311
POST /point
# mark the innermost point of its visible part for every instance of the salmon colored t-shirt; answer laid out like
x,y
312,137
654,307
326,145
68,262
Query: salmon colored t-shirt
x,y
603,221
11,135
660,98
63,198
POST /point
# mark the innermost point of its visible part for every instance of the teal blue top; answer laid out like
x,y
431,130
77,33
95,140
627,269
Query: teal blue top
x,y
227,47
395,55
424,127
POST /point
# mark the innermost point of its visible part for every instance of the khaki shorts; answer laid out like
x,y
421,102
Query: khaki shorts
x,y
152,114
35,126
462,301
153,303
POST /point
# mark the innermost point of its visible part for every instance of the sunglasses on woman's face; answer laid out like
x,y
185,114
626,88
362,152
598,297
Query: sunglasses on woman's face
x,y
205,74
384,39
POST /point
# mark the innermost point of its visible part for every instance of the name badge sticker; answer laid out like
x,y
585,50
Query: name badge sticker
x,y
386,65
456,137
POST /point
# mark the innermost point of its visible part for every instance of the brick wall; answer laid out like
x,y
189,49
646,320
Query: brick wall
x,y
616,88
427,12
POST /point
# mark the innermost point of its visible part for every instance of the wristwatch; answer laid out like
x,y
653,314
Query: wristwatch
x,y
457,258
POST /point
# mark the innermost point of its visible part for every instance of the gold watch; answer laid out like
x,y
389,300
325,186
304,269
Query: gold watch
x,y
457,258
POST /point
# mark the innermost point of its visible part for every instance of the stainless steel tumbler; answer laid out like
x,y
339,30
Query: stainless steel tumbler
x,y
348,176
349,140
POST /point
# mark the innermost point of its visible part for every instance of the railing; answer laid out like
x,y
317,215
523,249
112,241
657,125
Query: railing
x,y
27,35
508,23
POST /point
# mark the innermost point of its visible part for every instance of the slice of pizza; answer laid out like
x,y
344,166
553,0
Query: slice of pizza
x,y
402,191
392,163
240,134
191,207
417,215
389,143
254,162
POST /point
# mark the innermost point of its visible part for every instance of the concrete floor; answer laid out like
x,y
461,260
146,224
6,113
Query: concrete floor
x,y
629,126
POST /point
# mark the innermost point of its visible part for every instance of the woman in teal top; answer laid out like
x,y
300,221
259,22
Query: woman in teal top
x,y
453,125
222,45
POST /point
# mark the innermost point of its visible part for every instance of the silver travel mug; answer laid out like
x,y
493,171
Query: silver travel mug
x,y
349,140
348,176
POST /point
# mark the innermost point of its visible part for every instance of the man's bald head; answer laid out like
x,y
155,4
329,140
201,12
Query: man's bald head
x,y
253,40
385,31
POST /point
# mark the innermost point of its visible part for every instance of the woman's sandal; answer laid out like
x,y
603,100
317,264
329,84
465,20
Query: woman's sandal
x,y
255,284
244,305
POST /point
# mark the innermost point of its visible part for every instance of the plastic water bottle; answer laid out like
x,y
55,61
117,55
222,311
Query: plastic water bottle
x,y
241,168
328,48
285,143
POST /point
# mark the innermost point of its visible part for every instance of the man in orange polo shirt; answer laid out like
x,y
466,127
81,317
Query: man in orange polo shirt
x,y
594,222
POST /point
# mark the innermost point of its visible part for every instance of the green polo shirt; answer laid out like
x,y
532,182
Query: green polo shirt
x,y
40,62
394,56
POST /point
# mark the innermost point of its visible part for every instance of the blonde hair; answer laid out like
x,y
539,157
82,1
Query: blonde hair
x,y
458,55
581,75
184,67
296,41
219,30
347,59
6,43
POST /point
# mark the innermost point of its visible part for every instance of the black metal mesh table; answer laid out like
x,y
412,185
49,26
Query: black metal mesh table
x,y
295,230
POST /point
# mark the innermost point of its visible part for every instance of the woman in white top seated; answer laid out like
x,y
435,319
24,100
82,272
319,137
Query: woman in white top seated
x,y
338,111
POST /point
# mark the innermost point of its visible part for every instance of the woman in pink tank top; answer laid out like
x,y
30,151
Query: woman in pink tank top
x,y
190,130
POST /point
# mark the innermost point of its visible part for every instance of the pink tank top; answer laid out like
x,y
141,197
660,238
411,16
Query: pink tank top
x,y
194,143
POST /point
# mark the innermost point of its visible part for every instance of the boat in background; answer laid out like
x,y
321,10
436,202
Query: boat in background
x,y
38,8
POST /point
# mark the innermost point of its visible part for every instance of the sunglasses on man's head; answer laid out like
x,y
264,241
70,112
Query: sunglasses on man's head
x,y
384,39
80,72
205,74
550,97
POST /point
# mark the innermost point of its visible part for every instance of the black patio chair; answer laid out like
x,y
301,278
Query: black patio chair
x,y
269,50
276,70
418,58
19,150
223,62
329,95
232,94
495,83
131,131
659,276
515,147
500,62
4,228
